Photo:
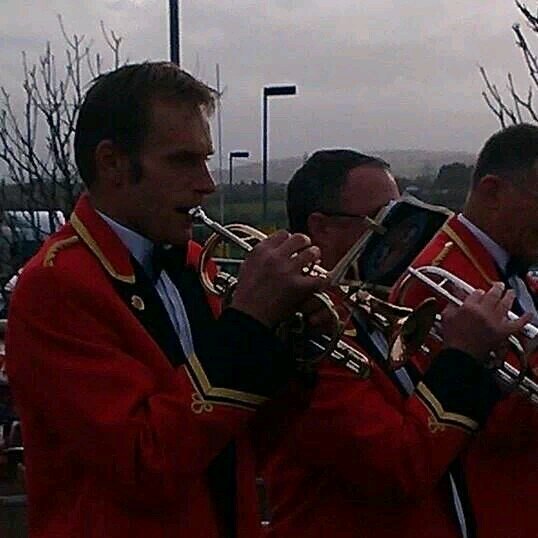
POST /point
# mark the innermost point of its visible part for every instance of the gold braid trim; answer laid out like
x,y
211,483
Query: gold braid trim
x,y
405,284
209,392
439,415
465,249
94,247
455,239
440,258
201,398
56,247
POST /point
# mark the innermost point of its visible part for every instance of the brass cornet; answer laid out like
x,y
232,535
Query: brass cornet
x,y
439,280
404,328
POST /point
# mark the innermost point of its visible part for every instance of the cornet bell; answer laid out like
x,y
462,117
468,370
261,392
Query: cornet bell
x,y
411,332
315,346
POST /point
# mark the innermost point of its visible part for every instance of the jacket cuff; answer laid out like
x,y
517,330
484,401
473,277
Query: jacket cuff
x,y
241,362
458,390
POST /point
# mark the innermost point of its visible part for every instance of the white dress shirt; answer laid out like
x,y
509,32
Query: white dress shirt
x,y
501,258
142,250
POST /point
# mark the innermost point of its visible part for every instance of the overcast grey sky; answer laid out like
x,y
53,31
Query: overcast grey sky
x,y
372,74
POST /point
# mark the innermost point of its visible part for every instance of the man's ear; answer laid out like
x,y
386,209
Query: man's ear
x,y
490,188
112,164
316,226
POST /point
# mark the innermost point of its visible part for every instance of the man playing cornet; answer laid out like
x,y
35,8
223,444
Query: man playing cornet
x,y
495,238
357,457
134,389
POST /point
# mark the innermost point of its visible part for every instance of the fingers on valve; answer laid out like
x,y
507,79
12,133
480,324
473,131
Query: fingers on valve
x,y
517,324
276,239
507,301
305,258
494,295
293,244
474,298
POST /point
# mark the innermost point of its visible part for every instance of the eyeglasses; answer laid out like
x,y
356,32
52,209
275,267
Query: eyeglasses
x,y
369,221
342,214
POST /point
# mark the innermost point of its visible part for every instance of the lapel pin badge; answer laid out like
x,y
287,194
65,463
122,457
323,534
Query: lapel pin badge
x,y
137,302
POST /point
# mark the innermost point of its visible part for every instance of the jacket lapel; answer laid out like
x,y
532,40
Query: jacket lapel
x,y
141,298
144,302
128,278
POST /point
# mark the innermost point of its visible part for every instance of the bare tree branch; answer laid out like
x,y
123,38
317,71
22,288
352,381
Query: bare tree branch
x,y
36,138
516,107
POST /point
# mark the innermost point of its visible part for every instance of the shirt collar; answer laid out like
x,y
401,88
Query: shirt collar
x,y
139,246
497,252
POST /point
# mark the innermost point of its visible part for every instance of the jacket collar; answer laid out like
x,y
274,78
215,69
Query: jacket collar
x,y
472,248
140,247
495,250
109,249
102,241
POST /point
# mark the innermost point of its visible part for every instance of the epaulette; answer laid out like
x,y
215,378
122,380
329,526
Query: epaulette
x,y
440,258
48,260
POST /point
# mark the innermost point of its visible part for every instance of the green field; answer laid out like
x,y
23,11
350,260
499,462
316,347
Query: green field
x,y
249,212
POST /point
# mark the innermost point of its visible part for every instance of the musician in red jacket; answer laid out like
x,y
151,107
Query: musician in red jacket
x,y
133,388
495,238
359,457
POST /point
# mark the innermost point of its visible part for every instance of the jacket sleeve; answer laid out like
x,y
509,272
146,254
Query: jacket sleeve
x,y
109,409
387,448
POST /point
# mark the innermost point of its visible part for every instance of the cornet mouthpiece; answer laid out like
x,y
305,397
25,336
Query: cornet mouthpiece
x,y
197,213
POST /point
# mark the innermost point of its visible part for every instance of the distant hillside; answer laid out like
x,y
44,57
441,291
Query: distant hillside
x,y
412,163
404,163
279,171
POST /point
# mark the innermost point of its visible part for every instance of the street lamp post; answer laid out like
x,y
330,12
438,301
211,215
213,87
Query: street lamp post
x,y
174,31
235,155
270,91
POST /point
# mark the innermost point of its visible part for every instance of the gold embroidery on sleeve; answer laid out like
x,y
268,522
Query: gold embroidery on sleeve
x,y
199,405
53,250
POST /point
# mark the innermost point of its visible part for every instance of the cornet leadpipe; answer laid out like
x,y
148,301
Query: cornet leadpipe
x,y
529,330
506,373
198,214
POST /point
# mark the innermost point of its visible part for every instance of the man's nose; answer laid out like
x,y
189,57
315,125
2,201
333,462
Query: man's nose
x,y
205,183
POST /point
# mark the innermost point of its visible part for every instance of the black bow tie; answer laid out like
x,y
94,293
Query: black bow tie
x,y
168,258
516,267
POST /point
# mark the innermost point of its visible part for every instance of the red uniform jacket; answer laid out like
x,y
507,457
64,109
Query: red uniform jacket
x,y
118,440
358,458
500,467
